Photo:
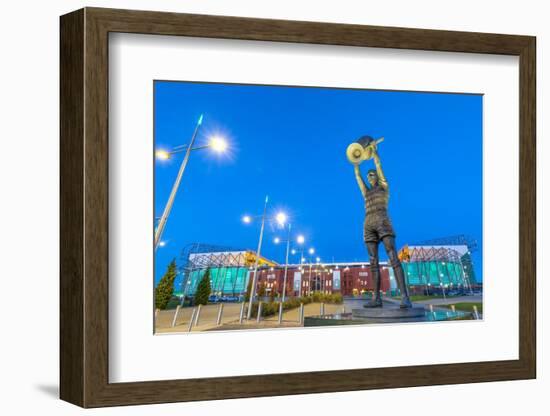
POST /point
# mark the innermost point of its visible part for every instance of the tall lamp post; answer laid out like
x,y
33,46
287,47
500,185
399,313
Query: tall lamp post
x,y
317,261
217,144
311,251
300,240
281,219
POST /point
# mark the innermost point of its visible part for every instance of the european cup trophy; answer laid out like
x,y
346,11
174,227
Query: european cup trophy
x,y
377,226
362,149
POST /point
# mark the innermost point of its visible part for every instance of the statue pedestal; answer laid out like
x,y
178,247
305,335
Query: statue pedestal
x,y
388,311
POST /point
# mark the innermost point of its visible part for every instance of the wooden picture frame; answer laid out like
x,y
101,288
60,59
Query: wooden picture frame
x,y
84,207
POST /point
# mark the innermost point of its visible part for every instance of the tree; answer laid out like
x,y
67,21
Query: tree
x,y
165,287
203,289
261,290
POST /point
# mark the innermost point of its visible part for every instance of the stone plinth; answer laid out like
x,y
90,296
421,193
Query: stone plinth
x,y
389,312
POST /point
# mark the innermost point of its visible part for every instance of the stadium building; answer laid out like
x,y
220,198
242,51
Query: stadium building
x,y
435,268
428,269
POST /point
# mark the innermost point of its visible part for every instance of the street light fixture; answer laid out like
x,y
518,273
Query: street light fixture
x,y
311,251
300,240
247,219
162,154
216,143
281,218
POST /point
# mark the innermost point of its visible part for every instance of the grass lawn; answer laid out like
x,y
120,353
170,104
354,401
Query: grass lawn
x,y
465,306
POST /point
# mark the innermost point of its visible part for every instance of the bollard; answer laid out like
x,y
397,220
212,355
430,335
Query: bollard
x,y
197,315
453,309
476,313
157,310
175,316
220,314
280,312
259,317
322,308
301,314
191,320
241,314
432,310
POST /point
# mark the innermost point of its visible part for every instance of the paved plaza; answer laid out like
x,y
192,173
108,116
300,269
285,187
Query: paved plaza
x,y
231,311
230,318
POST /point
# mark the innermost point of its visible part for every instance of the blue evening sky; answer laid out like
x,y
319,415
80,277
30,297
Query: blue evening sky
x,y
290,142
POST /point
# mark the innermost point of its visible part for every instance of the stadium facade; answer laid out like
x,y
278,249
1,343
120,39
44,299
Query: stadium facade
x,y
428,269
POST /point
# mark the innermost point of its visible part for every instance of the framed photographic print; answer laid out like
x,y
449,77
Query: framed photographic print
x,y
255,207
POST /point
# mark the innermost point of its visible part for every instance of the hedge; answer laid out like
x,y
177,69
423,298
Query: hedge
x,y
272,308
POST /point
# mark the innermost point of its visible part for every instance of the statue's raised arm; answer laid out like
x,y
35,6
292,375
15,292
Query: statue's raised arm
x,y
362,185
381,177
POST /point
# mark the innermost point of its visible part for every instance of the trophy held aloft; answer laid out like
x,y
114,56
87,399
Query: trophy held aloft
x,y
362,149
